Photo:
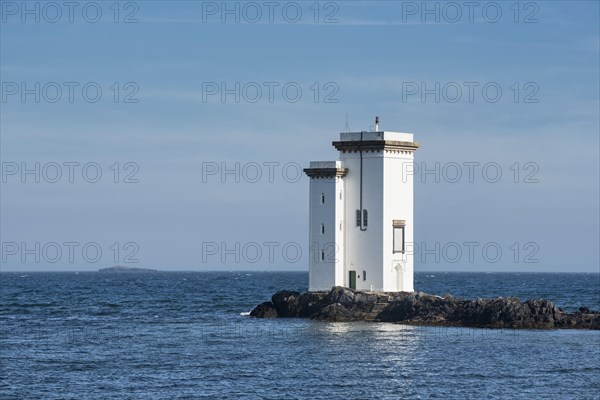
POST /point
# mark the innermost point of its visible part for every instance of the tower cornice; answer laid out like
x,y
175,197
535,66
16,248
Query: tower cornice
x,y
326,172
374,145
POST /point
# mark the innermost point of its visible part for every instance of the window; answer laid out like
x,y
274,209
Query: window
x,y
398,226
362,220
322,229
364,275
322,198
322,255
340,195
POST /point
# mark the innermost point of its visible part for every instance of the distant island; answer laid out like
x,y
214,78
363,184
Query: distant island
x,y
122,268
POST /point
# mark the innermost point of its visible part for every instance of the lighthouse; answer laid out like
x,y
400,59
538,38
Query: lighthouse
x,y
361,213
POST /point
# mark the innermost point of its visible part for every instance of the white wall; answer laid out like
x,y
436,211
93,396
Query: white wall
x,y
387,196
363,248
324,274
398,205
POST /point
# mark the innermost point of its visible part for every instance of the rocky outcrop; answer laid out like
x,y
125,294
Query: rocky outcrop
x,y
343,305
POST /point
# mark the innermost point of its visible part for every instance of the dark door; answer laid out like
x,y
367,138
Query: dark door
x,y
352,280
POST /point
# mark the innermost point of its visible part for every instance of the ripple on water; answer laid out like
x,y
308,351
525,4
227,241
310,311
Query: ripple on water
x,y
188,335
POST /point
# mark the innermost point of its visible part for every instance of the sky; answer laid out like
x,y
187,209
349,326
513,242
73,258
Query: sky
x,y
172,134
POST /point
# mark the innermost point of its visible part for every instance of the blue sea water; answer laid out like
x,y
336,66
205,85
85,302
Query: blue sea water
x,y
184,335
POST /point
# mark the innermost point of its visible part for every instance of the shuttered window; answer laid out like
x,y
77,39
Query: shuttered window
x,y
362,218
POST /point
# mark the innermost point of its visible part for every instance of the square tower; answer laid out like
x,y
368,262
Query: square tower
x,y
373,185
326,225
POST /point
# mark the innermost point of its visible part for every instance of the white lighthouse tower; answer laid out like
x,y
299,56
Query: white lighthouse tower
x,y
361,213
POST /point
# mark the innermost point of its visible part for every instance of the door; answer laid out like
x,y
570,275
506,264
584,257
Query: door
x,y
398,268
352,283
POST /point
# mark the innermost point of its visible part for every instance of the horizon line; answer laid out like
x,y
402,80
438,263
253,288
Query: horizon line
x,y
306,271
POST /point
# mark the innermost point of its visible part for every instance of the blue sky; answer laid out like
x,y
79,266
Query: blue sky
x,y
170,62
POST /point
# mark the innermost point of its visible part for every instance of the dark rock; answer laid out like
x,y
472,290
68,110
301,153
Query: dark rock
x,y
335,313
579,320
264,310
358,304
293,304
421,308
344,304
286,303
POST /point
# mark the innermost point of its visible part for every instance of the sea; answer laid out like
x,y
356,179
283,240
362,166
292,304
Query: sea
x,y
187,335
